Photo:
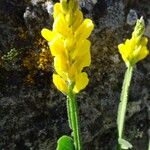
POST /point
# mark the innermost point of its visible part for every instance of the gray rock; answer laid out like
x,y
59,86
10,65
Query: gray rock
x,y
147,29
113,17
132,17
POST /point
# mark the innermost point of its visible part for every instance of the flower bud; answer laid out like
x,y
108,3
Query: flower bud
x,y
64,4
139,29
69,5
73,5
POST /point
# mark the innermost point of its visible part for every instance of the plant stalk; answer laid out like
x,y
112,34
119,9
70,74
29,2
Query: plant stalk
x,y
123,101
73,119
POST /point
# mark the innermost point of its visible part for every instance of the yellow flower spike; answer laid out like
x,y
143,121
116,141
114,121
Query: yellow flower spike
x,y
60,83
81,82
135,49
69,45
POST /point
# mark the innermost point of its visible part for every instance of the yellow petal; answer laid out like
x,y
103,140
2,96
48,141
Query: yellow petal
x,y
84,29
83,60
81,55
82,47
70,44
72,72
133,43
61,26
60,63
144,41
57,10
81,82
48,34
121,47
60,83
125,51
142,53
61,73
57,47
77,20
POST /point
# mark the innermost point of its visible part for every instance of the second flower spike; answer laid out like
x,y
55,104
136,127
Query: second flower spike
x,y
135,49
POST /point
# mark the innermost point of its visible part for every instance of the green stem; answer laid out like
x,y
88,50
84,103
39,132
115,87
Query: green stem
x,y
73,118
123,101
69,112
149,144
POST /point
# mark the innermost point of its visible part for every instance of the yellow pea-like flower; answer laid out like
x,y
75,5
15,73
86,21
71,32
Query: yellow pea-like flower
x,y
84,30
81,82
135,49
57,10
57,47
69,46
60,83
78,19
48,34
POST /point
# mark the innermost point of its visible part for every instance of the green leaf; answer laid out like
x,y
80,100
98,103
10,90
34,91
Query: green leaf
x,y
65,143
124,144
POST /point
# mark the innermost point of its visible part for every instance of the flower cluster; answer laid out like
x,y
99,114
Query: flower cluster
x,y
69,46
135,49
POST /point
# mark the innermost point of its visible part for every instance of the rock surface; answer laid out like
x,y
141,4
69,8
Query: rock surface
x,y
33,113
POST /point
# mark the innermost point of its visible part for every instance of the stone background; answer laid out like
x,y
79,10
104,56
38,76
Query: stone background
x,y
33,112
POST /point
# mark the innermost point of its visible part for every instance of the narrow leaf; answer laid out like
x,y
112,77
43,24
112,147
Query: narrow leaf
x,y
125,144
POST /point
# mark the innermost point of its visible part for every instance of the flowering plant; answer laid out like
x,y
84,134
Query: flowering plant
x,y
71,50
134,50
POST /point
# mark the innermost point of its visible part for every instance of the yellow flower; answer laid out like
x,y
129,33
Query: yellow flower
x,y
135,49
69,46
